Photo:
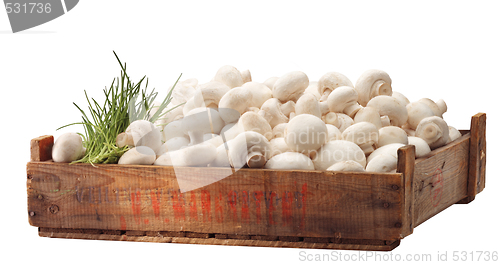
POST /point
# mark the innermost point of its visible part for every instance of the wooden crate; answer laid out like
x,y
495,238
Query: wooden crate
x,y
254,207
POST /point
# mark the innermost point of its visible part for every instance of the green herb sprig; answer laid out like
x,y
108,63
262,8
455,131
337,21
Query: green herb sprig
x,y
125,102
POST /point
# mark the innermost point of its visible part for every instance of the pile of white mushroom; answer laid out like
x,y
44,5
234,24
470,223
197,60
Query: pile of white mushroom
x,y
288,122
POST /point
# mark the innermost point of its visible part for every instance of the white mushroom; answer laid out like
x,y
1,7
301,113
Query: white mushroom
x,y
279,130
270,82
382,163
197,155
332,119
389,106
279,146
230,131
221,156
364,134
416,112
246,76
290,86
313,89
391,135
305,133
173,144
344,121
206,95
289,161
454,134
251,121
229,75
234,103
139,155
329,82
308,104
337,151
391,149
421,147
249,148
333,133
273,111
171,130
434,131
348,165
368,114
438,110
260,93
207,120
67,148
344,100
140,133
401,98
372,83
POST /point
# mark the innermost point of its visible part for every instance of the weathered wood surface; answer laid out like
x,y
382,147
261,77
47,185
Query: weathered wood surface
x,y
41,148
249,202
215,239
406,166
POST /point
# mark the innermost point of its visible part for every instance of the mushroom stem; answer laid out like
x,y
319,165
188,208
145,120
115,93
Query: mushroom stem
x,y
256,160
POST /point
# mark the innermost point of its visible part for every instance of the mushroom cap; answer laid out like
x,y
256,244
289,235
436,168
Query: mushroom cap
x,y
221,156
382,163
391,149
343,99
401,98
279,146
337,151
305,133
290,86
434,107
416,112
198,155
279,130
139,155
331,81
363,133
308,104
389,106
68,147
313,89
421,147
391,135
333,133
289,161
332,118
206,95
348,165
372,83
234,103
454,134
229,75
251,121
271,111
260,93
368,114
205,120
344,121
173,144
246,76
248,146
172,129
142,133
230,131
434,131
270,82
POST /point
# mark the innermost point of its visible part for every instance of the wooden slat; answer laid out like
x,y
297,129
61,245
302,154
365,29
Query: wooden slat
x,y
406,166
249,202
41,148
440,179
349,244
477,157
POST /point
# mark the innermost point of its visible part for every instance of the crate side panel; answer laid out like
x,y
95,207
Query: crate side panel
x,y
249,202
440,180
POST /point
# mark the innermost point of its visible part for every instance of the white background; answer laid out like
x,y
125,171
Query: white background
x,y
435,49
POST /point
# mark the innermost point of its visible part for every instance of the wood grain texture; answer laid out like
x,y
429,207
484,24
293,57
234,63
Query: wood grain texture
x,y
158,237
477,157
440,179
406,166
41,148
250,202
